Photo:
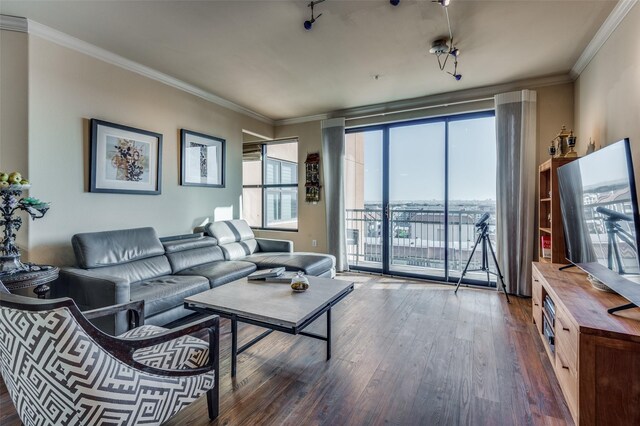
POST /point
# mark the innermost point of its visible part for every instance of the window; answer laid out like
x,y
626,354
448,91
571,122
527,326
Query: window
x,y
270,185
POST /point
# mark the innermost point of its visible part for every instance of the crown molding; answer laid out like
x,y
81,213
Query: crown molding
x,y
602,35
304,119
13,23
76,44
431,101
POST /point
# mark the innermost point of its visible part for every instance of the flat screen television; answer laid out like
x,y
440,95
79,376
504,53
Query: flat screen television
x,y
599,209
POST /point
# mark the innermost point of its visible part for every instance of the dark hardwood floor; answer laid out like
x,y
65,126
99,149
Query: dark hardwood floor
x,y
404,353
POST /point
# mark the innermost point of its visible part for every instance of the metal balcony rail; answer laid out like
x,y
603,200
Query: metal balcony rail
x,y
417,236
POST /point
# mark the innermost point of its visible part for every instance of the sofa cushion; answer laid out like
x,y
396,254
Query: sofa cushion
x,y
239,250
229,231
198,241
138,270
98,249
167,292
222,272
311,263
192,252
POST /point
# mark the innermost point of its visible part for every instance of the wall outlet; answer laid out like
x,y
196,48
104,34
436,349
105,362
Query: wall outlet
x,y
314,243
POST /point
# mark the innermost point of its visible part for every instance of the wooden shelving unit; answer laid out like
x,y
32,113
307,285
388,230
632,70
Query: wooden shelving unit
x,y
549,217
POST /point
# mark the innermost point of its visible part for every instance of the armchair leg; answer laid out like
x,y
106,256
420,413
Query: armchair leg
x,y
213,403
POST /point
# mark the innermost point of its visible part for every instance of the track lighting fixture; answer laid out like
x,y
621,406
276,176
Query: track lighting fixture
x,y
394,2
444,48
309,24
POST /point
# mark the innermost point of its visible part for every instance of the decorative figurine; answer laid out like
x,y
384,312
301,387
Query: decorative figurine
x,y
591,147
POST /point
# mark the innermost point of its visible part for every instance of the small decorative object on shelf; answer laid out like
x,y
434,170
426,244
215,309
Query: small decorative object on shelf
x,y
571,143
312,185
591,147
11,187
562,146
299,283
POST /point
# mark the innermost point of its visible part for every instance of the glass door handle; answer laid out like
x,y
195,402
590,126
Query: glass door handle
x,y
386,211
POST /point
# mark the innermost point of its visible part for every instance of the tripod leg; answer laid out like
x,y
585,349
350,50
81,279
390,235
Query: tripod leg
x,y
485,257
495,260
616,251
468,262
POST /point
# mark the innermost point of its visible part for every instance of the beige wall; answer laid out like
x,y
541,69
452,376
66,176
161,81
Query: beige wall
x,y
311,217
14,128
607,94
555,109
66,89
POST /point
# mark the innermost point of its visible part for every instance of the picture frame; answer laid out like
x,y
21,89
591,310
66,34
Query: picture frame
x,y
125,160
202,159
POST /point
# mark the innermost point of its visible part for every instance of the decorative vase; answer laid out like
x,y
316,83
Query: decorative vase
x,y
299,282
571,143
10,203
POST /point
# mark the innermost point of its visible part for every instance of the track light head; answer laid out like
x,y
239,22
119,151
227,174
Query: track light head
x,y
394,2
443,3
309,24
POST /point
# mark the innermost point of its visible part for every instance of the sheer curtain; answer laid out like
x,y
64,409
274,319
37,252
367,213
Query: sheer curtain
x,y
333,146
516,181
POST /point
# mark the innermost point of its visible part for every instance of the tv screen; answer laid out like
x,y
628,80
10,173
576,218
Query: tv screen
x,y
600,216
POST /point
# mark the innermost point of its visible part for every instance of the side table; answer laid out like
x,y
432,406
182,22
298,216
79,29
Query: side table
x,y
38,276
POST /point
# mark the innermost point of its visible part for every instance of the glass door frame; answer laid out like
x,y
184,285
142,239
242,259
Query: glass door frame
x,y
386,250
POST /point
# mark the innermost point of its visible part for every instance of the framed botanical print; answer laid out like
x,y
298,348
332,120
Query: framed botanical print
x,y
202,159
125,160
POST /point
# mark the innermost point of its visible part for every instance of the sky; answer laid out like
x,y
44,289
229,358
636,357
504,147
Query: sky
x,y
417,162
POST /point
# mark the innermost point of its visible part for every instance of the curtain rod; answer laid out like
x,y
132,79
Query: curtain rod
x,y
382,114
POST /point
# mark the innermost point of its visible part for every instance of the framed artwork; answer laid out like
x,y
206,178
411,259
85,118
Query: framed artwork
x,y
202,160
125,160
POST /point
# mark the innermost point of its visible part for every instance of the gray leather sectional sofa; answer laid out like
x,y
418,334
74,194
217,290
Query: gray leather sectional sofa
x,y
134,264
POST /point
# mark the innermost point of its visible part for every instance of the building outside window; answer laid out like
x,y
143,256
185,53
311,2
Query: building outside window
x,y
270,184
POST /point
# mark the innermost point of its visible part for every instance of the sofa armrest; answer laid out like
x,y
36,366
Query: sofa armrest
x,y
91,290
273,245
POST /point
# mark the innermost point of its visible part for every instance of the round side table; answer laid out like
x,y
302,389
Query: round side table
x,y
38,276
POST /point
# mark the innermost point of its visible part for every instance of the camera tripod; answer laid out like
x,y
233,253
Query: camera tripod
x,y
483,237
611,220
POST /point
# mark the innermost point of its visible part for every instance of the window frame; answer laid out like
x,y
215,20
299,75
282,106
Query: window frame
x,y
265,187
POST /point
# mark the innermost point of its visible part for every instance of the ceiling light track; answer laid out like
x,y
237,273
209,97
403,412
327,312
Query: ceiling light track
x,y
443,47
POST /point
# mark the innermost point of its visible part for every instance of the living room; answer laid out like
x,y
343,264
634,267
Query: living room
x,y
163,67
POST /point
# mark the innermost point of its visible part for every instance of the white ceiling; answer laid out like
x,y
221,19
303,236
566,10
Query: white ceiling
x,y
257,54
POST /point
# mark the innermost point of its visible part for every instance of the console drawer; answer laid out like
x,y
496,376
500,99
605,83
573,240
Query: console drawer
x,y
536,285
567,374
566,335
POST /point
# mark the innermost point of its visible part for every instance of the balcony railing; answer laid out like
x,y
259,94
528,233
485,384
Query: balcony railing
x,y
417,238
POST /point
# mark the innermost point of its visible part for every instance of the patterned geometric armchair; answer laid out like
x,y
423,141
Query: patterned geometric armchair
x,y
60,369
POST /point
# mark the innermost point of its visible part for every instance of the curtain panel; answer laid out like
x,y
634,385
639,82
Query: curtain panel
x,y
333,149
516,181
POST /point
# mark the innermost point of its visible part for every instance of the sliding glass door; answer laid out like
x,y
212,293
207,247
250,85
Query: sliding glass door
x,y
414,192
416,199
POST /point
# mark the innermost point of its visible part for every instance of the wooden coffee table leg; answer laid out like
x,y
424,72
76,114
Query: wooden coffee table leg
x,y
234,345
329,334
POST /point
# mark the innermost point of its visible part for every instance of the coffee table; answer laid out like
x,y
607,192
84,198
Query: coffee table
x,y
271,305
